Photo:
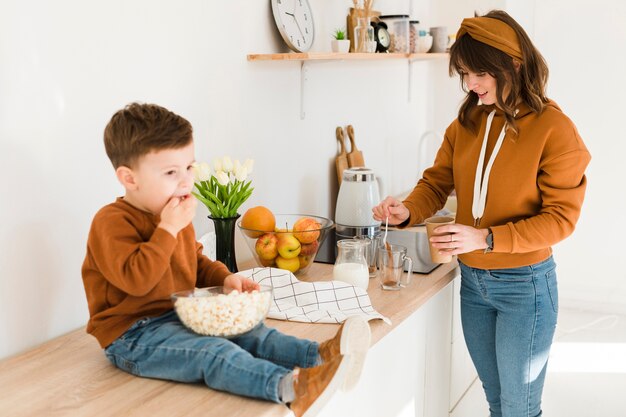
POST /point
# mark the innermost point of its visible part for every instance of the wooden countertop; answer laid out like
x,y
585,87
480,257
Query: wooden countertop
x,y
70,376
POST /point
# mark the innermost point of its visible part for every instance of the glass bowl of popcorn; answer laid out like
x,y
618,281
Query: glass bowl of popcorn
x,y
218,311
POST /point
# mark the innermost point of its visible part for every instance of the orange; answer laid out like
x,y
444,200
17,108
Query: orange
x,y
260,219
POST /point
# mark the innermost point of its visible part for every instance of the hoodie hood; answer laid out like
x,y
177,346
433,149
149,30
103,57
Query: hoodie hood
x,y
522,109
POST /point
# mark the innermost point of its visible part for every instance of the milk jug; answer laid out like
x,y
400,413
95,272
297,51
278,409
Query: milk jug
x,y
350,265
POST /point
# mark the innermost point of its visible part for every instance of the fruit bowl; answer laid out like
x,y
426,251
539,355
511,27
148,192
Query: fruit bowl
x,y
217,311
293,243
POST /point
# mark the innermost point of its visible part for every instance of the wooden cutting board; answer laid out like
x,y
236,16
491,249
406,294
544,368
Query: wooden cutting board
x,y
341,161
355,157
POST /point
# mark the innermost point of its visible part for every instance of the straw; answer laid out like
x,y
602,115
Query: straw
x,y
386,228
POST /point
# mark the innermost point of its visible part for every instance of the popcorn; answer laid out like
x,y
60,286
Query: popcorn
x,y
221,314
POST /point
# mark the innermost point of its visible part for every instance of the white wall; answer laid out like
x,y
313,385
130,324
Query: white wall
x,y
583,44
67,66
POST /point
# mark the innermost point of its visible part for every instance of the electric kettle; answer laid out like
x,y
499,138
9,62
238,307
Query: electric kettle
x,y
358,194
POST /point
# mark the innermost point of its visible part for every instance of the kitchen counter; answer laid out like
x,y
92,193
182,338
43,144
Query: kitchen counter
x,y
71,376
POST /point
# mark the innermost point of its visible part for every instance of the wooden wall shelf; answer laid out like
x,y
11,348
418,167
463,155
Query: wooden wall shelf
x,y
329,56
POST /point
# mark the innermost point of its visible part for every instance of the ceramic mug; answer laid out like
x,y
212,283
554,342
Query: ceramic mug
x,y
440,38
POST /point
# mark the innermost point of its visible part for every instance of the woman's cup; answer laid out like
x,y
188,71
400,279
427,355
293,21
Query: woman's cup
x,y
431,224
391,260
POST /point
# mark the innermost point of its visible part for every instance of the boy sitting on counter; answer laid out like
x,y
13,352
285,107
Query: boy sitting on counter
x,y
142,248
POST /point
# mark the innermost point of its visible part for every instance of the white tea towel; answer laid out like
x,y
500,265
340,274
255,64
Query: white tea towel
x,y
313,302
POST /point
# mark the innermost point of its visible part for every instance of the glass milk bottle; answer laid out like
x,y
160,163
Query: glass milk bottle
x,y
350,265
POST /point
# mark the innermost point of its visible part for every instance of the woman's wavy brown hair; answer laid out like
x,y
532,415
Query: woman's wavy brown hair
x,y
526,84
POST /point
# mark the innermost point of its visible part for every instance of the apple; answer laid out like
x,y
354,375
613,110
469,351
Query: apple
x,y
267,246
290,264
267,262
309,248
258,220
288,246
305,260
306,229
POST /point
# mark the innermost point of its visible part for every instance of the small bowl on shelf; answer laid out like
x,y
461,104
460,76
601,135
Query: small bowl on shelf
x,y
217,311
423,44
292,245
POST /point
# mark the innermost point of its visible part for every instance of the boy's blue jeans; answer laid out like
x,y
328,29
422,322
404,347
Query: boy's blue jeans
x,y
251,365
509,318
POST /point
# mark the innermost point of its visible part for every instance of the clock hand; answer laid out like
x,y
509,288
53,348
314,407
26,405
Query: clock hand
x,y
298,24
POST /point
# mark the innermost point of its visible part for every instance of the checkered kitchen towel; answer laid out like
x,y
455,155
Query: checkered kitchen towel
x,y
313,302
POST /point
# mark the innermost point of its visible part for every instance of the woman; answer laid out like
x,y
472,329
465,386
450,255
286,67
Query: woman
x,y
517,165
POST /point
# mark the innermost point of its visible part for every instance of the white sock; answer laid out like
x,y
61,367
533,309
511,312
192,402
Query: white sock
x,y
286,392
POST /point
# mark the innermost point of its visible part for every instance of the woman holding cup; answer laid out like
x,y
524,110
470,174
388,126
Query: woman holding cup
x,y
517,165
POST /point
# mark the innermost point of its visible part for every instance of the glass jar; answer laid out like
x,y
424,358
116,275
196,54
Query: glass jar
x,y
350,265
398,27
414,31
364,36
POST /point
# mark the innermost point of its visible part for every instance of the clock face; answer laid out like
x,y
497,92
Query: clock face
x,y
383,37
295,23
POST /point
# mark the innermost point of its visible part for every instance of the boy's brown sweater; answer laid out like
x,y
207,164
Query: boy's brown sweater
x,y
132,267
536,187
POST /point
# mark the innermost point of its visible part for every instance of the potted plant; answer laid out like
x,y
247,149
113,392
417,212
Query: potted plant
x,y
340,43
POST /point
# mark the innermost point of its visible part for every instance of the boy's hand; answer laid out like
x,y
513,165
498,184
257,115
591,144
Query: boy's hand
x,y
241,284
178,213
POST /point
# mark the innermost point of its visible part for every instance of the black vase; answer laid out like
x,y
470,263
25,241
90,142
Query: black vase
x,y
225,241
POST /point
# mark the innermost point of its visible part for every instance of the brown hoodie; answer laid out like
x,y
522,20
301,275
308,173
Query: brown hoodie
x,y
536,187
132,267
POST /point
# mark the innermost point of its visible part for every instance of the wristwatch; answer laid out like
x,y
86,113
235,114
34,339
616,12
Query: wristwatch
x,y
489,240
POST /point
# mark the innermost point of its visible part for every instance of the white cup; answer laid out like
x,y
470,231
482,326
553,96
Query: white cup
x,y
440,38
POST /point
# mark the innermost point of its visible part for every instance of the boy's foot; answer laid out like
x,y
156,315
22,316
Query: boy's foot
x,y
352,340
315,386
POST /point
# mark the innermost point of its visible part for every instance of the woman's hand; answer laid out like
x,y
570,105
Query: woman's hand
x,y
392,208
459,239
241,284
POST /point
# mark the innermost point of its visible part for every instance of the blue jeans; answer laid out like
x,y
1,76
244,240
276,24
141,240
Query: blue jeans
x,y
509,317
251,364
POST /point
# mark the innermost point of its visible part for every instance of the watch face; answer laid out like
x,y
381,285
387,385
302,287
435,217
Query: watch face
x,y
295,23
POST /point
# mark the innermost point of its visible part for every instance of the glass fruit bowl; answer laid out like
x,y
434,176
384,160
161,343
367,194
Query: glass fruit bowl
x,y
217,311
292,245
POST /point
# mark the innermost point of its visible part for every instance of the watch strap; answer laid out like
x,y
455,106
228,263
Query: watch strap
x,y
489,240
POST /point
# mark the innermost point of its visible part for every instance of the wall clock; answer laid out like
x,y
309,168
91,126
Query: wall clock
x,y
295,23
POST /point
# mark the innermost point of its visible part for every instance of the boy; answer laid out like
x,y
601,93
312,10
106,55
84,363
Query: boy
x,y
142,248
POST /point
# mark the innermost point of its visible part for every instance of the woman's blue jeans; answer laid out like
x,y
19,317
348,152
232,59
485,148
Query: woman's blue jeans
x,y
251,365
509,317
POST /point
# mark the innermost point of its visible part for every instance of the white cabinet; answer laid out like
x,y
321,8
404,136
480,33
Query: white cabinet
x,y
406,373
420,369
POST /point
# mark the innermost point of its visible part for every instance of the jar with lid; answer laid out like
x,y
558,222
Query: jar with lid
x,y
414,33
350,265
398,27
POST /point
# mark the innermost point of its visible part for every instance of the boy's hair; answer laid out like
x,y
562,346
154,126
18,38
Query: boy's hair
x,y
528,84
139,129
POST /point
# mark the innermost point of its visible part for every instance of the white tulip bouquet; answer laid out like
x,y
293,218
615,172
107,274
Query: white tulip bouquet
x,y
224,190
